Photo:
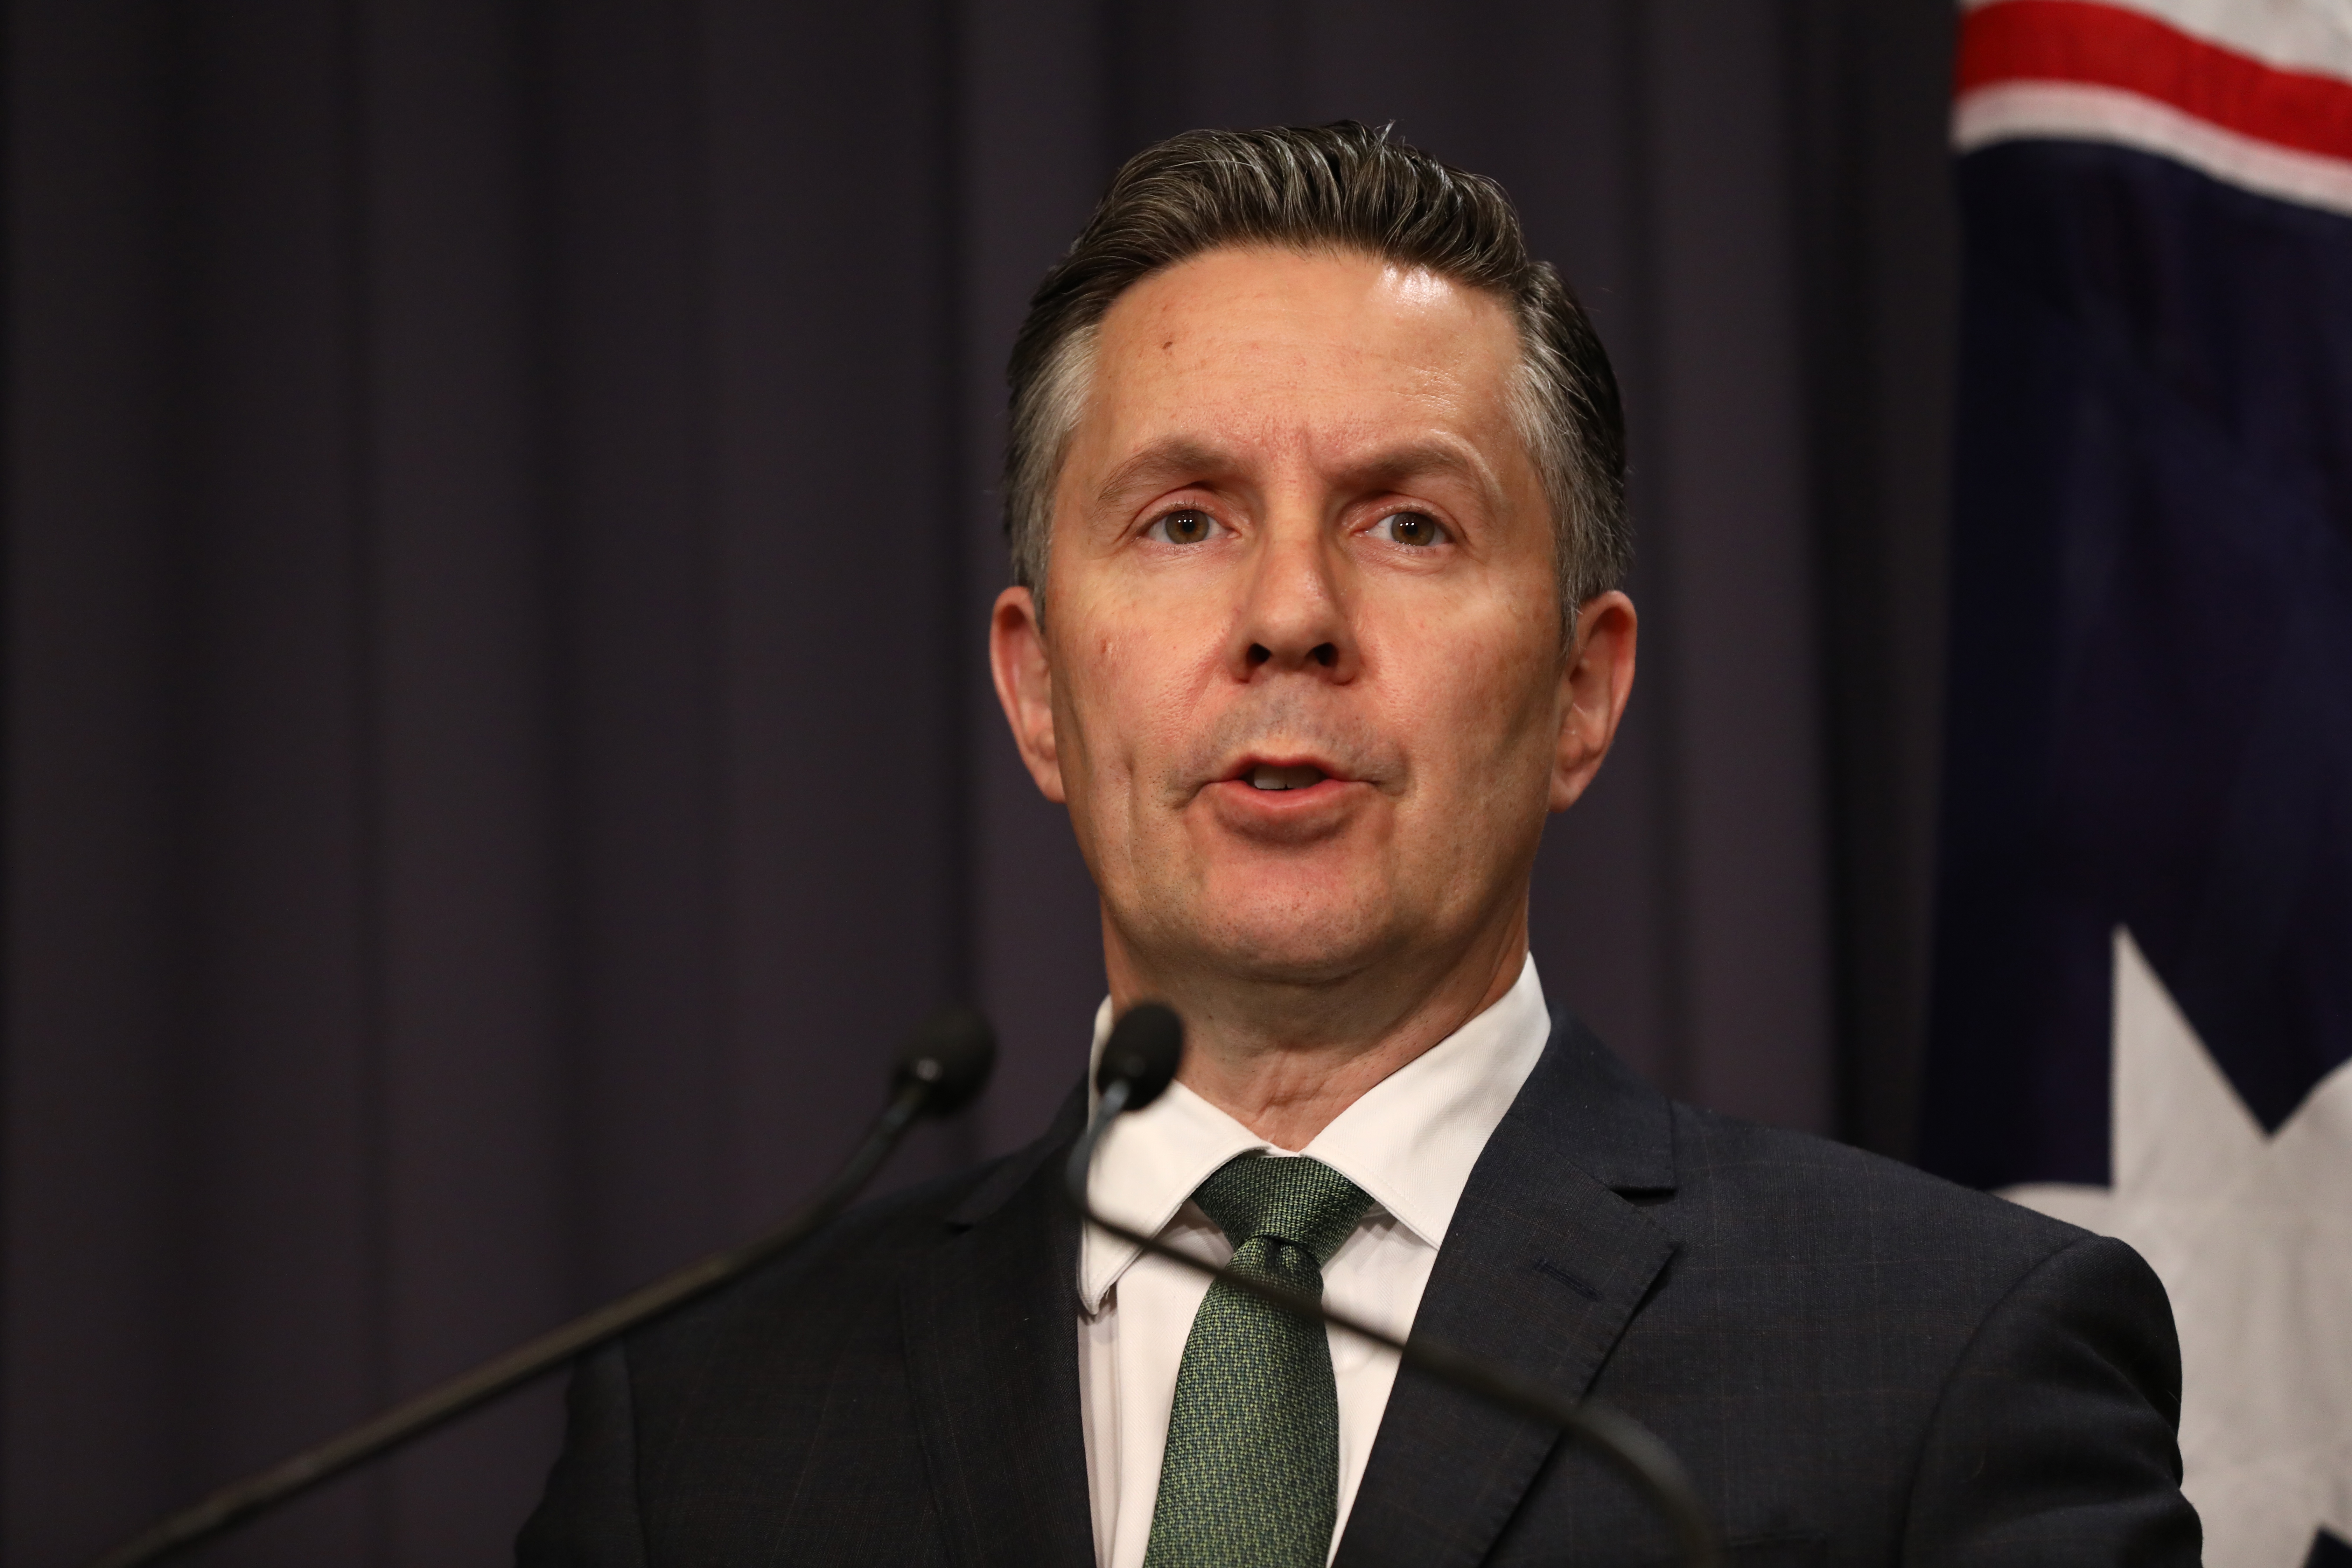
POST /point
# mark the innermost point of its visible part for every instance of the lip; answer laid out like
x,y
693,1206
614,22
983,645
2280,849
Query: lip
x,y
1283,815
1299,797
1239,772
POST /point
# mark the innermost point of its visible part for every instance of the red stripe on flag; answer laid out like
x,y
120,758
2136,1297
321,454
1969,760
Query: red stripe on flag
x,y
2106,45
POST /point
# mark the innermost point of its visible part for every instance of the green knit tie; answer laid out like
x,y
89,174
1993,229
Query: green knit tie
x,y
1250,1478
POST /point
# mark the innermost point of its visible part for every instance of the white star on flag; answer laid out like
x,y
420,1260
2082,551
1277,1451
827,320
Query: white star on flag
x,y
2251,1236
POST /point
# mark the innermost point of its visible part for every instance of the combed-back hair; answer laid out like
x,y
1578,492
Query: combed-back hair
x,y
1348,187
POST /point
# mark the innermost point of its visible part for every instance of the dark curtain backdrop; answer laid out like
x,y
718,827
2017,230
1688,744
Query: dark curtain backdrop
x,y
500,522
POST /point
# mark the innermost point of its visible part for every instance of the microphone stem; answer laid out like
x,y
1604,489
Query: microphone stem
x,y
438,1406
1633,1449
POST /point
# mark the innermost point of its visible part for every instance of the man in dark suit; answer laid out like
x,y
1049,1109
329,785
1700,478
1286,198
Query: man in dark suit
x,y
1315,494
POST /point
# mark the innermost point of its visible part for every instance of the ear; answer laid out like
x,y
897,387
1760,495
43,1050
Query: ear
x,y
1595,679
1025,685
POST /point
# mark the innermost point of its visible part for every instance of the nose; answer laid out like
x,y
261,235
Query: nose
x,y
1294,617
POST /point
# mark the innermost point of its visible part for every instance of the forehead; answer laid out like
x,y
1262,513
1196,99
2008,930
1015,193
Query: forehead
x,y
1288,343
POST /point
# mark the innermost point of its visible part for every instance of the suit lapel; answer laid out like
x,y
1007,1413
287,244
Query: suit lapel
x,y
991,1322
1543,1268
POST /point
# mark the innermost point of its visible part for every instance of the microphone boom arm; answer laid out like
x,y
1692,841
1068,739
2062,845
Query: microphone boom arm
x,y
1632,1447
942,1068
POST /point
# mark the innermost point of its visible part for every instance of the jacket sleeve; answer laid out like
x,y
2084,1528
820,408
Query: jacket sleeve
x,y
589,1518
2056,1439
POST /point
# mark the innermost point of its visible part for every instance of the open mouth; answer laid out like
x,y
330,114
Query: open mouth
x,y
1267,775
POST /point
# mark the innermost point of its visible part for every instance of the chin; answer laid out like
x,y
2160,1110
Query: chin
x,y
1296,940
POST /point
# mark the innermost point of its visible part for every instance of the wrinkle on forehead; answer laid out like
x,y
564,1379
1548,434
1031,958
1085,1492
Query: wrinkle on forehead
x,y
1373,288
1404,332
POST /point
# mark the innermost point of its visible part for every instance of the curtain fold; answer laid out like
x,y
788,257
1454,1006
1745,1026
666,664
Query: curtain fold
x,y
499,525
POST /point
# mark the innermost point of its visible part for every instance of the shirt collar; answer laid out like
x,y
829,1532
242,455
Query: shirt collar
x,y
1409,1141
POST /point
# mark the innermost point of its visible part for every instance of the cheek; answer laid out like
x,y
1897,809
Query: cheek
x,y
1479,693
1130,708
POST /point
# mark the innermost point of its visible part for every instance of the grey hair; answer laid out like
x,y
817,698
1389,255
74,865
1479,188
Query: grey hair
x,y
1345,187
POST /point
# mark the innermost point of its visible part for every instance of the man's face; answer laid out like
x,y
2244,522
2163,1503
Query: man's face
x,y
1300,681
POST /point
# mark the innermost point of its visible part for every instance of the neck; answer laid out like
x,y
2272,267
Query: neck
x,y
1284,1058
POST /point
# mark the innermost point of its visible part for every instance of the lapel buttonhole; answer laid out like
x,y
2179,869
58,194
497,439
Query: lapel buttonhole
x,y
1545,1266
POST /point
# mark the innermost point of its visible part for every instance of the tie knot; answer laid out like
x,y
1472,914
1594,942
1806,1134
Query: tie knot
x,y
1295,1199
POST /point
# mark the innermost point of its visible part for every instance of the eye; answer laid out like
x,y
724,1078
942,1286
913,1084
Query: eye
x,y
1185,526
1413,528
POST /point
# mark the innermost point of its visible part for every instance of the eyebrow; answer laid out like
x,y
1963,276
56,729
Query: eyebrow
x,y
1182,456
1160,462
1412,458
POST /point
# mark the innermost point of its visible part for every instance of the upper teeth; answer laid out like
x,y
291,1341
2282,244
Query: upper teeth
x,y
1266,775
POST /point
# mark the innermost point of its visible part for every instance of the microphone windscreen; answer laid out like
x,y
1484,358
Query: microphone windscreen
x,y
1145,1047
953,1051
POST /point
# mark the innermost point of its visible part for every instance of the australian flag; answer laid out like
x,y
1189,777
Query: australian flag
x,y
2143,988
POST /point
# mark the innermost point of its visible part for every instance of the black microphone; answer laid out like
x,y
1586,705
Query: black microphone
x,y
948,1057
942,1067
1140,1060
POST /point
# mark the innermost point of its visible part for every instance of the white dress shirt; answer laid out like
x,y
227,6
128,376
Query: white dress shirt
x,y
1410,1142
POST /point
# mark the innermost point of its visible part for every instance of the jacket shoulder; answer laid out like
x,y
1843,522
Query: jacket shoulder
x,y
1749,1187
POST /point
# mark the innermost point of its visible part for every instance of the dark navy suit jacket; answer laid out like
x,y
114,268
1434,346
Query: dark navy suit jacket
x,y
1857,1362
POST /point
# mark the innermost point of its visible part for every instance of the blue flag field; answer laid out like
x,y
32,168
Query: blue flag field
x,y
2142,1009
